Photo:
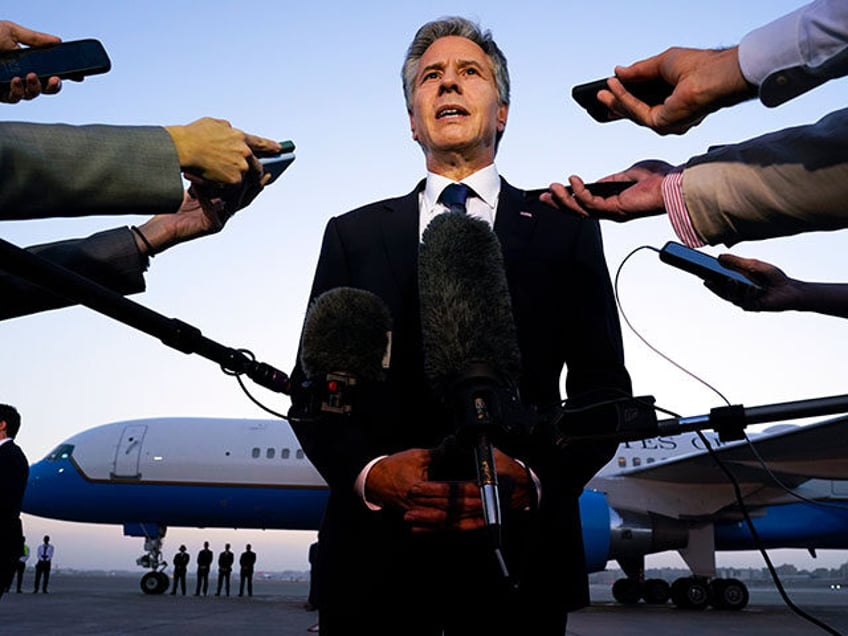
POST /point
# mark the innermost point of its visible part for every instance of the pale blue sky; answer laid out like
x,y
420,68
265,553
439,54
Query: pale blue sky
x,y
326,75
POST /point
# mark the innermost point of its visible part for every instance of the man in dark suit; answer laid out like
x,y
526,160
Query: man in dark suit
x,y
402,535
247,560
181,559
225,569
204,564
14,471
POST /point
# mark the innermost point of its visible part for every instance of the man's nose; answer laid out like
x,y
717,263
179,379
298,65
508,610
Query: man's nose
x,y
450,82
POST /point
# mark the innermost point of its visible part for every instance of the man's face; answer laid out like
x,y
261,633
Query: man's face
x,y
455,106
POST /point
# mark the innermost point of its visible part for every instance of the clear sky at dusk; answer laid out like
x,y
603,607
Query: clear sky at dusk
x,y
327,76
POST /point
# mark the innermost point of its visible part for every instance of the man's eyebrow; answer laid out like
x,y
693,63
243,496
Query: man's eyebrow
x,y
438,66
434,66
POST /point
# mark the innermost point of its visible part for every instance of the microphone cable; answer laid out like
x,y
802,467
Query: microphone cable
x,y
238,374
720,463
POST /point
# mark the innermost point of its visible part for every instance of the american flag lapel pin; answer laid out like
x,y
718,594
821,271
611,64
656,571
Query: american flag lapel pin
x,y
527,214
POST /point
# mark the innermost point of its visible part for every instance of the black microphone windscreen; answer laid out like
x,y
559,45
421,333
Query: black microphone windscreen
x,y
466,312
346,330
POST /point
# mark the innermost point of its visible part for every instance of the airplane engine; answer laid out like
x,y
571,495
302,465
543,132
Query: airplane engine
x,y
635,534
622,535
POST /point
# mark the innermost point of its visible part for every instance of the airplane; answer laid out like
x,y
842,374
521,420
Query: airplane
x,y
659,494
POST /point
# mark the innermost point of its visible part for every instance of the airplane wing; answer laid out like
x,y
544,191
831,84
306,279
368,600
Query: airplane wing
x,y
694,483
814,451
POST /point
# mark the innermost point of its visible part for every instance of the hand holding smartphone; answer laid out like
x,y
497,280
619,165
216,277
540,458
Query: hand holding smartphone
x,y
68,60
275,165
652,92
702,265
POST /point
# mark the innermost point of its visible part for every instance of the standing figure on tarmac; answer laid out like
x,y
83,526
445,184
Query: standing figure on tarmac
x,y
204,564
246,562
225,568
181,560
42,565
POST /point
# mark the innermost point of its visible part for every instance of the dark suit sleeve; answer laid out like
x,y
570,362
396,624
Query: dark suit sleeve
x,y
567,319
594,353
110,258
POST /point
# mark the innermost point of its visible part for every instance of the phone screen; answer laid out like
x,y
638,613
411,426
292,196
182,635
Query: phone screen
x,y
703,265
68,60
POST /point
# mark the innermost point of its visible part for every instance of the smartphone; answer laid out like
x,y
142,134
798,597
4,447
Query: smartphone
x,y
651,92
605,188
703,265
68,60
276,164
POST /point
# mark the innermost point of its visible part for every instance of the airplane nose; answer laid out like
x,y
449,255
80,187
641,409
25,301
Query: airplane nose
x,y
40,497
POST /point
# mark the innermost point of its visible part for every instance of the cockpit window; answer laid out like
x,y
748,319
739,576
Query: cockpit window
x,y
63,451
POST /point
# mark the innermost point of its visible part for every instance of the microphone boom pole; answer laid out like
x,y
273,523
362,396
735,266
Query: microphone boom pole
x,y
170,331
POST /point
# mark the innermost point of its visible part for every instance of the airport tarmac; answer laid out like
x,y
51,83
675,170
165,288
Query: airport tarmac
x,y
102,604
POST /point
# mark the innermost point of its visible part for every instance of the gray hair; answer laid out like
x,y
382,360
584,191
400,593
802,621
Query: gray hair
x,y
463,28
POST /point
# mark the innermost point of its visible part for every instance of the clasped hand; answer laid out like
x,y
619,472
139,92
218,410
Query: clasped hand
x,y
401,481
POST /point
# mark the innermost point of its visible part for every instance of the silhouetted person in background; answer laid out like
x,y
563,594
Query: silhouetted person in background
x,y
246,562
42,565
14,471
204,563
181,560
21,568
225,568
312,600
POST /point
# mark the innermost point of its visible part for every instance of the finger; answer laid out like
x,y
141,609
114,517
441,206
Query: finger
x,y
261,145
29,37
16,91
630,106
53,86
32,86
646,69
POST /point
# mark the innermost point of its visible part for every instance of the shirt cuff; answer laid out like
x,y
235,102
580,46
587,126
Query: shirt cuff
x,y
359,484
536,482
675,205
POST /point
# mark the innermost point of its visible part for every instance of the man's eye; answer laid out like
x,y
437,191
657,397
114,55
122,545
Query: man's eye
x,y
431,75
471,71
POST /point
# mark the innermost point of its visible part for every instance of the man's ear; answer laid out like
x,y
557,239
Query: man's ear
x,y
412,126
3,429
503,112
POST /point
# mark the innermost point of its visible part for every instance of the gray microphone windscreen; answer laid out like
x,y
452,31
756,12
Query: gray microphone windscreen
x,y
466,312
346,330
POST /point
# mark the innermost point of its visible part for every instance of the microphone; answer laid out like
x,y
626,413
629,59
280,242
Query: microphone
x,y
346,340
471,353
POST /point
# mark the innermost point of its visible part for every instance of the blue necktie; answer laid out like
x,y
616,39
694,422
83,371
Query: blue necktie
x,y
454,196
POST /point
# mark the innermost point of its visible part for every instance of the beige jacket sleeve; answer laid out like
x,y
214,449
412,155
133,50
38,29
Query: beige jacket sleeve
x,y
783,183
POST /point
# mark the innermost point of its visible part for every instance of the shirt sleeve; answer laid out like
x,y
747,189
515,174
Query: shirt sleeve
x,y
797,52
675,205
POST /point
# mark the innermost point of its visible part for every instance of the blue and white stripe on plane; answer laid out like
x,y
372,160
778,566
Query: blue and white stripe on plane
x,y
57,490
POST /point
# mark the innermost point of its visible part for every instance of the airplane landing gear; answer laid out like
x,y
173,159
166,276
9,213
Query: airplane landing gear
x,y
691,592
730,594
155,582
627,591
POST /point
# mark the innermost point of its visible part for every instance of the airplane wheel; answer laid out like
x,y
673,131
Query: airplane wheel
x,y
164,582
150,583
656,591
627,591
729,594
690,593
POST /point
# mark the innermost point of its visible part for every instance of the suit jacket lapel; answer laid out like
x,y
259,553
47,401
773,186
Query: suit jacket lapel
x,y
399,227
514,221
